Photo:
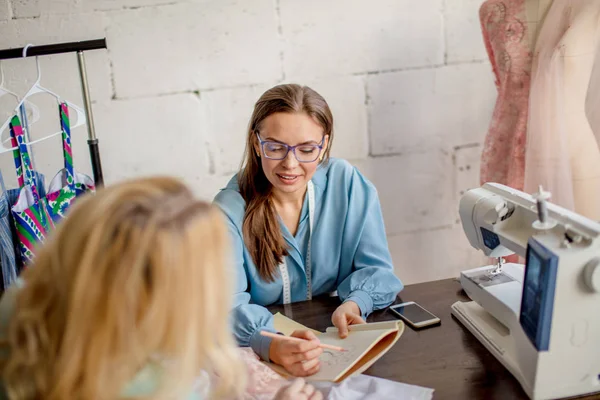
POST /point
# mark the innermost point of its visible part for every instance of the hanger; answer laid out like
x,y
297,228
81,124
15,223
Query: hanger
x,y
35,111
35,89
4,90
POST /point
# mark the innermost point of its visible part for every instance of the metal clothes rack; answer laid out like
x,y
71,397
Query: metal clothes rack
x,y
79,48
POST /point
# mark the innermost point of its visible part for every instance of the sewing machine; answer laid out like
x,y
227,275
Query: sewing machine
x,y
541,320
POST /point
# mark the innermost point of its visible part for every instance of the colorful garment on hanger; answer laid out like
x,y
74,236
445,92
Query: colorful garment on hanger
x,y
32,221
67,184
13,196
505,36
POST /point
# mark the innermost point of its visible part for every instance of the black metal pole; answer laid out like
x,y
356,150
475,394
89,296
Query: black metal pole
x,y
58,48
92,140
96,165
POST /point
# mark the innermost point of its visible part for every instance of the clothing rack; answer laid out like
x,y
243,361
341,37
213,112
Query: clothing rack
x,y
79,48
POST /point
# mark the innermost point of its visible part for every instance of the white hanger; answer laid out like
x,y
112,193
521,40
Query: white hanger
x,y
4,90
35,111
37,88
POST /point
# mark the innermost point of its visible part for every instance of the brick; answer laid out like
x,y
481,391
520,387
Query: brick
x,y
36,8
162,135
228,113
5,10
424,109
467,161
464,39
105,5
60,72
52,29
26,8
367,36
432,255
346,99
198,46
415,190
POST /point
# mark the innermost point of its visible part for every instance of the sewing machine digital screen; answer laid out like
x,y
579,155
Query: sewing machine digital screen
x,y
538,294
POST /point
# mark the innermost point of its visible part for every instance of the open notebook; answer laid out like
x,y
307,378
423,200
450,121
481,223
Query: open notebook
x,y
364,345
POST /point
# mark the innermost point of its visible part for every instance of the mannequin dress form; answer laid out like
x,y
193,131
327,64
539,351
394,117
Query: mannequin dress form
x,y
506,38
562,151
540,133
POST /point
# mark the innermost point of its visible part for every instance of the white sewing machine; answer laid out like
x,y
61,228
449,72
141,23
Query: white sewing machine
x,y
541,320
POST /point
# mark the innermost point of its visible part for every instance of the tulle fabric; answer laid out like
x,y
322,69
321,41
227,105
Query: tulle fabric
x,y
547,157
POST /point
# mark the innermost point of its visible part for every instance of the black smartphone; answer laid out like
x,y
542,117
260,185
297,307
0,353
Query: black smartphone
x,y
414,315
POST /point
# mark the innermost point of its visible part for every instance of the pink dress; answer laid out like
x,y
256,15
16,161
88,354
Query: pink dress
x,y
263,382
505,37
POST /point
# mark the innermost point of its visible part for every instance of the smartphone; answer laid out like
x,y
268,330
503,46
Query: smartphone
x,y
414,315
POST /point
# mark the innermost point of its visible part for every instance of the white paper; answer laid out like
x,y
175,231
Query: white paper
x,y
371,388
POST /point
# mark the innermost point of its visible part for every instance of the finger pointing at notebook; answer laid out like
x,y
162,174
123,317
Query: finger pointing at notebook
x,y
346,314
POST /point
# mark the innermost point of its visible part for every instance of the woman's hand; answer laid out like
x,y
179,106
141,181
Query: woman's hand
x,y
346,314
299,390
298,358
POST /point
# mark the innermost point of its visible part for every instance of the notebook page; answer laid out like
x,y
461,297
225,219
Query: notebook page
x,y
287,326
357,344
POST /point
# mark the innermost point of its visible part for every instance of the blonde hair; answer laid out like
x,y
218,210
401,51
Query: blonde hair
x,y
136,272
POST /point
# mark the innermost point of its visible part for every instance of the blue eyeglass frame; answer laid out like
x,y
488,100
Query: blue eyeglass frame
x,y
292,148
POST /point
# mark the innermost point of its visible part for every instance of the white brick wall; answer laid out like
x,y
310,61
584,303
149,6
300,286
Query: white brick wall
x,y
104,5
426,108
329,38
415,190
167,49
228,112
463,31
408,82
433,254
5,10
177,146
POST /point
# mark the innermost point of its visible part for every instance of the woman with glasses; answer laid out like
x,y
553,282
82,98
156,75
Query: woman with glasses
x,y
303,225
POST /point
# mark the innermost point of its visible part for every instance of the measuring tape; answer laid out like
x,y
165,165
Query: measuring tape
x,y
283,270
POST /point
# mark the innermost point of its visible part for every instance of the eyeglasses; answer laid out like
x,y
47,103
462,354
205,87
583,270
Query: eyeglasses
x,y
278,151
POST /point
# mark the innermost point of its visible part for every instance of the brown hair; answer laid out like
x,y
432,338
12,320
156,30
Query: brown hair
x,y
121,281
261,231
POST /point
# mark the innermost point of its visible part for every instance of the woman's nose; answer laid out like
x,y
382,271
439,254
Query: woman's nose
x,y
290,160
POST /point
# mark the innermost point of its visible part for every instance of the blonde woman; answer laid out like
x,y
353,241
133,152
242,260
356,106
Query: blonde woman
x,y
123,302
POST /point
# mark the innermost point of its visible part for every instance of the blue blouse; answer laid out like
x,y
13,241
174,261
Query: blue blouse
x,y
349,252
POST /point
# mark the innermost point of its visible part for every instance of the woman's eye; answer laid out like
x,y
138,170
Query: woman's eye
x,y
275,147
307,149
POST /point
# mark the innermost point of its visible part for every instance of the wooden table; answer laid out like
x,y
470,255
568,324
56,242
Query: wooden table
x,y
447,358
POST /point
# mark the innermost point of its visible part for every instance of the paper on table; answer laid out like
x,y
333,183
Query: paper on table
x,y
366,387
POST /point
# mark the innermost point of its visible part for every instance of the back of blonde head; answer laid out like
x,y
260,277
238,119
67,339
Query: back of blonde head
x,y
135,275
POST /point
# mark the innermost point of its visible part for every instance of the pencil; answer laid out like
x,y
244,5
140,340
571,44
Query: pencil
x,y
294,339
